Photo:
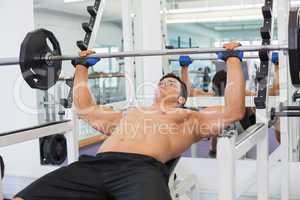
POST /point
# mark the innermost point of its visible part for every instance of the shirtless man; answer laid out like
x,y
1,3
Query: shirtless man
x,y
130,165
219,83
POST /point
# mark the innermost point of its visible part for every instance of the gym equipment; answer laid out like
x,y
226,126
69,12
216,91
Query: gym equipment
x,y
211,57
294,46
2,167
53,149
40,73
263,71
41,64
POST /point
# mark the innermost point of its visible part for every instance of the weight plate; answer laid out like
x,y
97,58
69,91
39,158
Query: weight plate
x,y
37,72
294,46
55,149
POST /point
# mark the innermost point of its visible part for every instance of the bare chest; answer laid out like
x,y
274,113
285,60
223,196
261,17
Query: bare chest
x,y
153,121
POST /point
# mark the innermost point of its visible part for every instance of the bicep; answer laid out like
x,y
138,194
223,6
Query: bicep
x,y
101,118
211,121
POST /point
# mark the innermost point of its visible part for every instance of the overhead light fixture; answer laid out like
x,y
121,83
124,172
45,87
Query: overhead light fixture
x,y
72,1
213,9
221,19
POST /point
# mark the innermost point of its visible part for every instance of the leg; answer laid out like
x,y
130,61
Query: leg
x,y
142,185
75,182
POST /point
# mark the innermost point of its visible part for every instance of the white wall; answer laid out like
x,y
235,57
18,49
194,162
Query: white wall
x,y
67,29
23,159
16,21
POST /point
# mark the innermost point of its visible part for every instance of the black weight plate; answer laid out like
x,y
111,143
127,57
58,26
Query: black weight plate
x,y
55,149
40,73
294,46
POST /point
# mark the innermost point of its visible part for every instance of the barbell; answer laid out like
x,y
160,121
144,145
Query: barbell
x,y
212,58
41,59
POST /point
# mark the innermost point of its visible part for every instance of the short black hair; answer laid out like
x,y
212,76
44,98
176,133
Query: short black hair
x,y
183,87
219,82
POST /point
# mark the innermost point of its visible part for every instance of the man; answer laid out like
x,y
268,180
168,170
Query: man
x,y
131,162
218,85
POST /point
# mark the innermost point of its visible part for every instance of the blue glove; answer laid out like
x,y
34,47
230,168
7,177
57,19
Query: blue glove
x,y
185,61
275,58
87,62
227,54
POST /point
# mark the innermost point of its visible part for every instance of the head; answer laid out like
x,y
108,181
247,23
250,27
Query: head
x,y
172,89
219,83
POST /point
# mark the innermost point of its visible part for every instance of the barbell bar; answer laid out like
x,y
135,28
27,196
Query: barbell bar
x,y
167,52
211,58
145,53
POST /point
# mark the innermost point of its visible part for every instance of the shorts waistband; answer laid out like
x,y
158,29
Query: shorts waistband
x,y
129,156
122,157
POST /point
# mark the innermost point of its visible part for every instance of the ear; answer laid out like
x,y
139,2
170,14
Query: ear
x,y
181,100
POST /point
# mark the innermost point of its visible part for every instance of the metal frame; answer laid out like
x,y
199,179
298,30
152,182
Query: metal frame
x,y
283,7
226,166
97,24
231,148
76,121
32,133
128,44
23,135
205,101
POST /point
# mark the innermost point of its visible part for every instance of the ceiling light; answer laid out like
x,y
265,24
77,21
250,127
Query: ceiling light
x,y
72,1
221,19
207,9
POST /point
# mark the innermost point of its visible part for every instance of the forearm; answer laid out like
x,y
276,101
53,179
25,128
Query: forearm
x,y
198,92
235,88
81,93
274,89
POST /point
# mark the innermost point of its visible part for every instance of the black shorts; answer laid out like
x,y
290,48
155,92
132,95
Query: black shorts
x,y
108,176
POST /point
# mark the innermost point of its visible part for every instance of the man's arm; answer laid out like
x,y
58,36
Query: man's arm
x,y
98,117
212,120
185,61
185,78
274,89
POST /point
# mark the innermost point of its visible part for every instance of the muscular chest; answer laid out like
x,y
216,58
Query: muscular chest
x,y
154,121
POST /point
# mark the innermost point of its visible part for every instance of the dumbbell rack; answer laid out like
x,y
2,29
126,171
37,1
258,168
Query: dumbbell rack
x,y
91,29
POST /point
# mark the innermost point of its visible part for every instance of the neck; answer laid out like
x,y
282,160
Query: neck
x,y
164,105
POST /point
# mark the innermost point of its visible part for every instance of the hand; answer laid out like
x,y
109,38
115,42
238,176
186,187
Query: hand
x,y
275,58
87,62
231,52
185,61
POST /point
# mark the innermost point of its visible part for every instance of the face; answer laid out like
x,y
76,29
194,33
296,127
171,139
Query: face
x,y
169,89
